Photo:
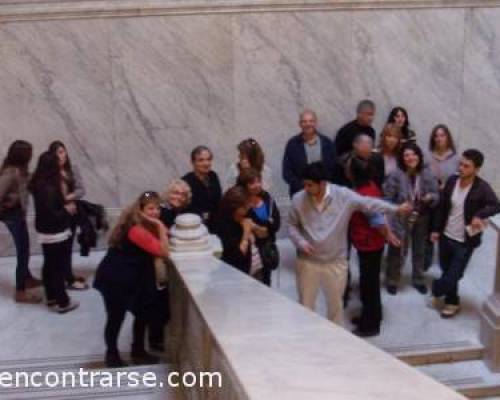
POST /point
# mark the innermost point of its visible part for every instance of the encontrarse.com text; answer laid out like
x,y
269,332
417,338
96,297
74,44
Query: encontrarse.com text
x,y
108,379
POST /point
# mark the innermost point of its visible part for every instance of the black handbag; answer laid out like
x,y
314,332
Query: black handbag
x,y
269,251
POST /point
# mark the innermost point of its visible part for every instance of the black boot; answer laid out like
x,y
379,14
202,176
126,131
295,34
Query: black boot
x,y
142,357
113,360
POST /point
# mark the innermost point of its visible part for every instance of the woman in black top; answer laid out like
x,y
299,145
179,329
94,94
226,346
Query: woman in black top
x,y
126,276
399,117
176,200
14,177
53,222
205,186
234,229
73,190
265,215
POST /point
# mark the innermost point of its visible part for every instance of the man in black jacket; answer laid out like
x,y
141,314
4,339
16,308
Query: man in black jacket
x,y
305,148
466,202
344,141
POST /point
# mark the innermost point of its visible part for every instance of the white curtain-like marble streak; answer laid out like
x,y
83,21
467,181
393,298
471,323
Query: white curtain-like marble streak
x,y
132,96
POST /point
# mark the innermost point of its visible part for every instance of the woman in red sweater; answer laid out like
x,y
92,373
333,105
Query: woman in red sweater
x,y
126,275
368,235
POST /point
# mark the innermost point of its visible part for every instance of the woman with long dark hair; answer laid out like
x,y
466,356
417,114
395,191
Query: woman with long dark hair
x,y
53,225
412,182
14,177
250,155
266,217
126,276
399,117
73,189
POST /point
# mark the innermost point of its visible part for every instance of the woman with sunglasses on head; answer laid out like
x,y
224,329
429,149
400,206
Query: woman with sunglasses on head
x,y
205,186
14,177
53,225
399,117
266,218
126,275
250,155
73,189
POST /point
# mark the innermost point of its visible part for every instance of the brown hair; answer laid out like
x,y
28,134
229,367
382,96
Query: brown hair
x,y
253,152
131,216
233,199
248,176
446,130
390,129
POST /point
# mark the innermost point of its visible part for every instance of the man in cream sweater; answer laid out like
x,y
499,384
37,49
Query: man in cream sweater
x,y
318,227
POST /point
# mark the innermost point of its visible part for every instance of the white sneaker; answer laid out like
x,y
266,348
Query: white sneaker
x,y
450,310
70,307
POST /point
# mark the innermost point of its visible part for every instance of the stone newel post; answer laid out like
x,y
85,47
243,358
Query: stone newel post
x,y
490,312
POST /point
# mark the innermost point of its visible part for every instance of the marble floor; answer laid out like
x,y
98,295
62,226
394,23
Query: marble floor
x,y
408,324
32,335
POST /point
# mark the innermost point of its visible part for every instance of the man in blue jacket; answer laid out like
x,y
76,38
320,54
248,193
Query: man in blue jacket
x,y
305,148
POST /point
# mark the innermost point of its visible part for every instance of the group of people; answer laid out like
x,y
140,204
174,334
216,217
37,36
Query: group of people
x,y
348,193
345,193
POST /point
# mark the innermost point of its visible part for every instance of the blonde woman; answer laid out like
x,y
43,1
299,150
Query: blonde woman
x,y
177,198
390,147
126,275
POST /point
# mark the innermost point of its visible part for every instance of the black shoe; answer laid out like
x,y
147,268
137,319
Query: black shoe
x,y
421,288
113,360
356,321
158,346
392,289
366,333
142,357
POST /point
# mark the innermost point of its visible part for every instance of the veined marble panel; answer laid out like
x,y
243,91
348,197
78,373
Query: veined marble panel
x,y
172,80
481,105
283,64
56,84
413,59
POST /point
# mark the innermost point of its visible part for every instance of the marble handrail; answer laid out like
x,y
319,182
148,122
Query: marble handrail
x,y
490,312
269,347
29,10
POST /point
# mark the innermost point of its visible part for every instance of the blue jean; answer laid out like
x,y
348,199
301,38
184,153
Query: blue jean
x,y
19,230
453,259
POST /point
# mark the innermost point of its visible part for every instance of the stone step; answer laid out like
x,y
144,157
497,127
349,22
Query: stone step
x,y
424,354
473,379
105,383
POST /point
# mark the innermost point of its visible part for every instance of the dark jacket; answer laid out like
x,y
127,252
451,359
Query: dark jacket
x,y
90,219
50,215
481,202
230,233
168,215
376,165
346,135
272,224
295,160
205,197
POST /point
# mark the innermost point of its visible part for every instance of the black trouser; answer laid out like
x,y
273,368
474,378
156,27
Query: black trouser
x,y
19,231
161,316
453,259
116,312
68,272
369,285
56,256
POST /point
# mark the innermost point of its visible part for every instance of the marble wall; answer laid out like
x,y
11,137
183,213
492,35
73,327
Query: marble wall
x,y
132,96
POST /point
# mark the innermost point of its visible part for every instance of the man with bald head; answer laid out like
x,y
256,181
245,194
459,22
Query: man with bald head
x,y
305,148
